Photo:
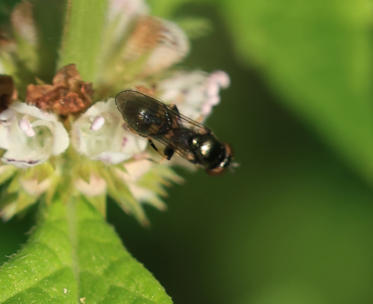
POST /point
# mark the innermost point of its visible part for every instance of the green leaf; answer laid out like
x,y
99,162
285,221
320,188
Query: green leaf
x,y
49,17
82,41
74,256
318,56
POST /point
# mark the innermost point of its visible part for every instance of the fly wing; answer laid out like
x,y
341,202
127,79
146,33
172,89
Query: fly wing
x,y
183,129
179,144
189,123
153,105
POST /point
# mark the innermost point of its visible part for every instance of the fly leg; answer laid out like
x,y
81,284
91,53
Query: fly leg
x,y
168,152
152,145
174,108
176,120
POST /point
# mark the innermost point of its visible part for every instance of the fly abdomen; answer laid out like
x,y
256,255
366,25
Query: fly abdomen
x,y
143,114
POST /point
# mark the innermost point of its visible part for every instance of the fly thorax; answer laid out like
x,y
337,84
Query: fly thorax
x,y
209,150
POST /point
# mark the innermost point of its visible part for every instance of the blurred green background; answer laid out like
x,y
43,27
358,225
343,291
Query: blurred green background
x,y
294,223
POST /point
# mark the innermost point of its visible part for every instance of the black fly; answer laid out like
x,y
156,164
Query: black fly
x,y
157,121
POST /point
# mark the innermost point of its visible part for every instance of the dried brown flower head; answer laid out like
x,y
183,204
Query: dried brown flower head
x,y
68,94
7,92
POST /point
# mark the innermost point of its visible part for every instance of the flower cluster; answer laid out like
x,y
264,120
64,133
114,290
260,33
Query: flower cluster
x,y
66,137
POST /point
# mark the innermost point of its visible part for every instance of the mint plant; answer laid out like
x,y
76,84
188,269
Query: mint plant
x,y
63,143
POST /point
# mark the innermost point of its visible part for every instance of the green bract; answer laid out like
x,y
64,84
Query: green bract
x,y
74,256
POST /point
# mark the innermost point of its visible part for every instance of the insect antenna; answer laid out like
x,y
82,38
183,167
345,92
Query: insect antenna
x,y
233,166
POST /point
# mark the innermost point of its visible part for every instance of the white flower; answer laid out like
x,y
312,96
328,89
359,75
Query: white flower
x,y
30,136
23,22
172,47
194,93
162,42
121,14
100,135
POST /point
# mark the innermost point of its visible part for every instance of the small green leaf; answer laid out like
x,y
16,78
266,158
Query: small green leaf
x,y
6,172
40,172
16,202
318,56
74,256
82,41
